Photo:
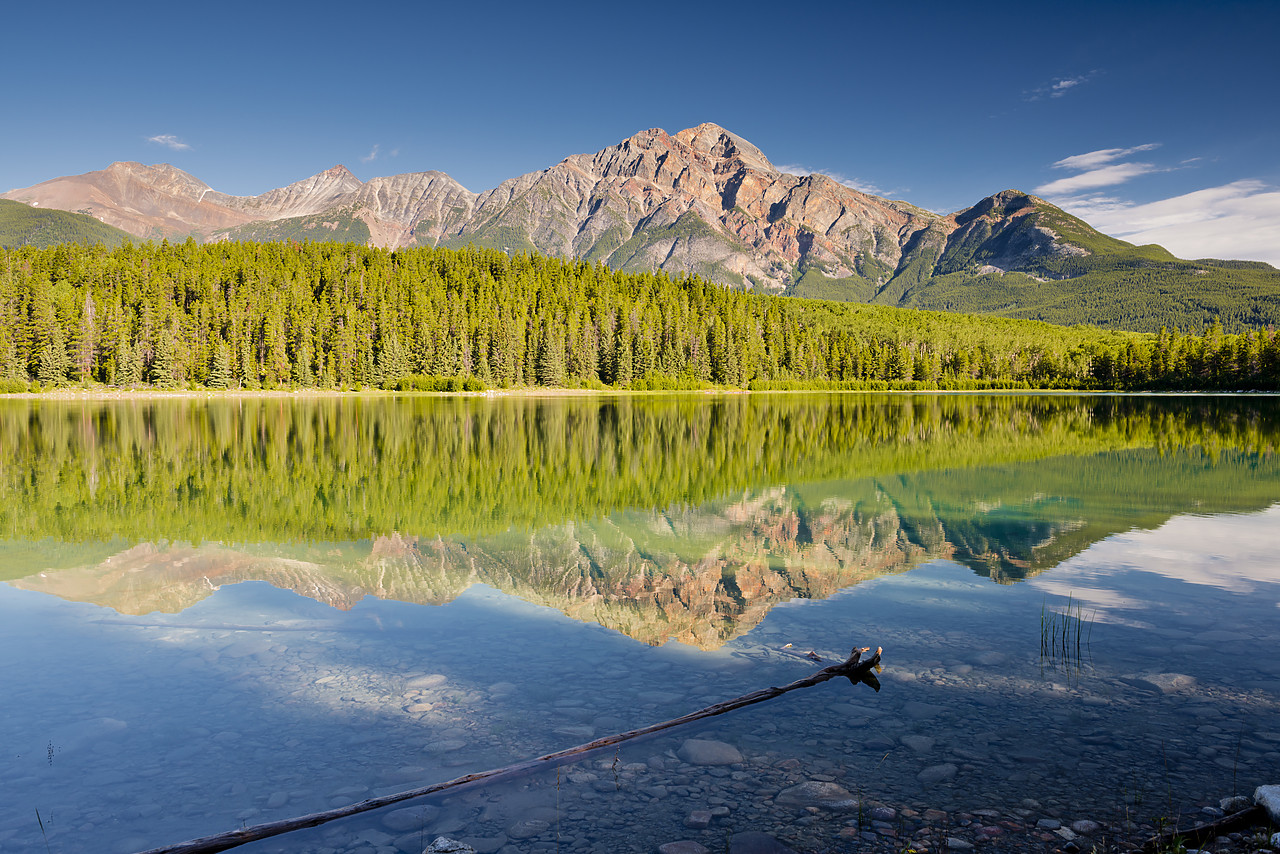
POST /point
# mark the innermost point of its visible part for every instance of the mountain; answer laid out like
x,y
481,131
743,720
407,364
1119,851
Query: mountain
x,y
706,201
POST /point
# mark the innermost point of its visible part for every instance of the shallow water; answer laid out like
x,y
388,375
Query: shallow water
x,y
305,654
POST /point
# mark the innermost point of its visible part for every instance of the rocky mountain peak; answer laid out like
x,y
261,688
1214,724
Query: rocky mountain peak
x,y
714,140
1002,204
161,177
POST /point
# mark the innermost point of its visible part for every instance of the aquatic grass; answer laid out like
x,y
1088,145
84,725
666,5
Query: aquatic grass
x,y
1065,636
43,832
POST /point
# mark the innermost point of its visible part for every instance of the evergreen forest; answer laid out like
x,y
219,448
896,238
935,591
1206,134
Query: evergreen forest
x,y
346,316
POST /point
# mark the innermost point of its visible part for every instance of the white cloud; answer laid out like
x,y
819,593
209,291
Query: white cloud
x,y
371,156
1060,86
1106,176
852,183
169,141
1240,220
1102,157
1057,90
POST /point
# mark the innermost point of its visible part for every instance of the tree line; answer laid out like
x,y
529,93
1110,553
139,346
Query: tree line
x,y
327,315
329,469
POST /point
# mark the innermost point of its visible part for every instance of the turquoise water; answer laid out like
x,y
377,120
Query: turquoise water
x,y
162,686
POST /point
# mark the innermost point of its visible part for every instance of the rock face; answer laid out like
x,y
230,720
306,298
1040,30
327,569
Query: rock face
x,y
701,201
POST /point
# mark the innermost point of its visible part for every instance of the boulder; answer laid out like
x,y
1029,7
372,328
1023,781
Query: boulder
x,y
816,793
445,845
697,751
1268,797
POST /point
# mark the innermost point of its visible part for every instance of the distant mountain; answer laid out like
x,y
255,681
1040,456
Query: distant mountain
x,y
22,225
708,202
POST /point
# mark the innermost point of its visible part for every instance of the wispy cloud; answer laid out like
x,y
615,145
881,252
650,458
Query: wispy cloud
x,y
377,153
1107,176
1097,169
168,140
852,183
1101,157
1240,220
1060,86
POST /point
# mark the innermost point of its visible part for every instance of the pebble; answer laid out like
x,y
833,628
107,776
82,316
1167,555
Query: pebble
x,y
1085,827
698,819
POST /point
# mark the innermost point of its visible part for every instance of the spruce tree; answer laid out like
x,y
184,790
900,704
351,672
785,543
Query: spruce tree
x,y
550,362
220,372
54,360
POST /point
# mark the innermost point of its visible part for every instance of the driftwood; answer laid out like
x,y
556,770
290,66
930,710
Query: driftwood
x,y
1194,836
854,669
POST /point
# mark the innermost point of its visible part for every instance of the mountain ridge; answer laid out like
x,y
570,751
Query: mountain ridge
x,y
707,202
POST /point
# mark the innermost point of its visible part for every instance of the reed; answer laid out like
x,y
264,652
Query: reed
x,y
1065,636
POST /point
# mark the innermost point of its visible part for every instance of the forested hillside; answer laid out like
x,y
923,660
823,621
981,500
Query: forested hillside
x,y
328,315
21,225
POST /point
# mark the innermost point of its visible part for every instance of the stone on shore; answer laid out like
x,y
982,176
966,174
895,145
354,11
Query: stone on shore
x,y
1268,797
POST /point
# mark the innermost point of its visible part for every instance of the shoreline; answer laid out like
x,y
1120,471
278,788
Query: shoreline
x,y
105,394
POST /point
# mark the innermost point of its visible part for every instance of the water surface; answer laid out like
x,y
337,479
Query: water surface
x,y
227,612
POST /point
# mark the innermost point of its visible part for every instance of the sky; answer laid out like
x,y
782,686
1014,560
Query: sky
x,y
1154,122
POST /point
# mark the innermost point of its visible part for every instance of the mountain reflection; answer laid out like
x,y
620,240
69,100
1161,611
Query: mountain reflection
x,y
1056,476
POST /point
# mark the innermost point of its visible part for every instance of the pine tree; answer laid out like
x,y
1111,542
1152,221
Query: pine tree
x,y
163,370
128,364
54,361
550,360
86,340
393,362
220,373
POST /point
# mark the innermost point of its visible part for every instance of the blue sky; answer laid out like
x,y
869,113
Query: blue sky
x,y
1156,122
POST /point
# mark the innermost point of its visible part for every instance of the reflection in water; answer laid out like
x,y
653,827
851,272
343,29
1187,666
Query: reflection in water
x,y
557,533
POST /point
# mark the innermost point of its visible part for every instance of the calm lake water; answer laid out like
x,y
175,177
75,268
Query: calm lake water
x,y
219,613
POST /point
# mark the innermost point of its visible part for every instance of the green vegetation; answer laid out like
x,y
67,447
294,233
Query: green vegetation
x,y
23,225
344,469
327,315
339,226
1110,283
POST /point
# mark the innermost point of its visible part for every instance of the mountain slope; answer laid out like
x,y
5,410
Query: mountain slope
x,y
707,202
22,225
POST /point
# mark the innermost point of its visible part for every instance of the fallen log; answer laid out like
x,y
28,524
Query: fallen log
x,y
854,669
1193,837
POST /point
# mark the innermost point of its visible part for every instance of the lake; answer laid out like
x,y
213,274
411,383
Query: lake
x,y
217,613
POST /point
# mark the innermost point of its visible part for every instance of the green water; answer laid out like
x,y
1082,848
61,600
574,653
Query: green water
x,y
231,600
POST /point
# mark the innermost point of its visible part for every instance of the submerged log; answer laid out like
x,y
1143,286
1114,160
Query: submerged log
x,y
1195,836
854,669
